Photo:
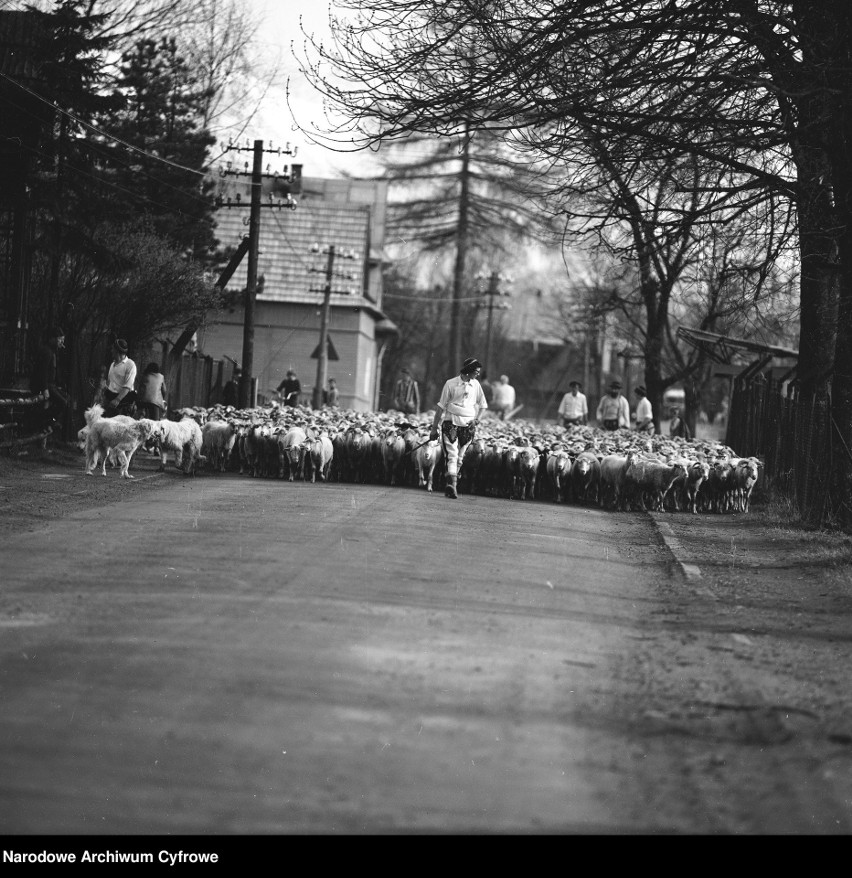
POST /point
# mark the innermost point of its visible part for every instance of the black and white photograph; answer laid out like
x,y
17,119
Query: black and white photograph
x,y
422,418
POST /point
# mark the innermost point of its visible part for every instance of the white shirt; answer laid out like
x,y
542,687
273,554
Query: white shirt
x,y
644,412
122,375
573,406
504,396
462,401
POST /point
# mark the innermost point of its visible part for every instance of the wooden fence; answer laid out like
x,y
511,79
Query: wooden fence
x,y
793,439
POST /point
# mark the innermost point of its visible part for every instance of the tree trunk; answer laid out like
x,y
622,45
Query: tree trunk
x,y
462,233
824,39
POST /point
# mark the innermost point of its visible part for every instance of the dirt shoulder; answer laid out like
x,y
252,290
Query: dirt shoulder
x,y
40,485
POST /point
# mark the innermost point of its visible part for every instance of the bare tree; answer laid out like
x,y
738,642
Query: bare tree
x,y
223,45
746,85
469,194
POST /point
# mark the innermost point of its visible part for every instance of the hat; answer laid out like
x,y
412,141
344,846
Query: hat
x,y
615,385
238,370
574,384
404,369
641,389
121,345
471,364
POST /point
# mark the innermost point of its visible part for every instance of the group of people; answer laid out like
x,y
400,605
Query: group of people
x,y
613,411
499,397
118,392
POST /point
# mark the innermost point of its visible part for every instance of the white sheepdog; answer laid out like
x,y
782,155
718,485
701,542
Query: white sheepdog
x,y
181,438
119,437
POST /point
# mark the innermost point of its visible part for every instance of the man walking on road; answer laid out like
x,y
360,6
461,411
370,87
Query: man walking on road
x,y
458,411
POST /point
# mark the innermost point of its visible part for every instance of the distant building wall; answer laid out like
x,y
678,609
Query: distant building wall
x,y
286,335
347,214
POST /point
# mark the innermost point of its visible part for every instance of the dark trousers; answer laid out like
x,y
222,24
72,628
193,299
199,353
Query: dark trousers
x,y
126,406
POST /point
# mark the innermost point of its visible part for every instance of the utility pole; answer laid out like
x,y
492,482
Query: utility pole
x,y
245,400
495,279
327,289
322,357
289,183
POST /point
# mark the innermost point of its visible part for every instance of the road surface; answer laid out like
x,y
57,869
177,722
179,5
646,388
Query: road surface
x,y
231,655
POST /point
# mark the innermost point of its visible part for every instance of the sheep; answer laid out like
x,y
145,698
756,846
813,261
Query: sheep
x,y
719,484
252,449
697,474
470,474
392,450
743,480
358,443
525,473
649,479
320,455
426,458
558,467
291,445
217,442
613,469
585,477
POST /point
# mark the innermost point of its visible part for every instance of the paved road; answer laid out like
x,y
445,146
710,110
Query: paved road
x,y
237,655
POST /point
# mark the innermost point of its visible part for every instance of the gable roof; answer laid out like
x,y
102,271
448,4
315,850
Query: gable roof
x,y
291,271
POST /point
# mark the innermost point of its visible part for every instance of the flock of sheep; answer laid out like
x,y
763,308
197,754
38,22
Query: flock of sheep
x,y
516,459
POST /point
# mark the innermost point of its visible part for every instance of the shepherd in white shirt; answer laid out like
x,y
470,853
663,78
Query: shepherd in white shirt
x,y
458,411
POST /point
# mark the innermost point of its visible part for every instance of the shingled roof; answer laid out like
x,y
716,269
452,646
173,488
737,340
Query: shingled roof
x,y
285,259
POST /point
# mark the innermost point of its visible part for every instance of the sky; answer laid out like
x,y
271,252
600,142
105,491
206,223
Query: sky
x,y
275,122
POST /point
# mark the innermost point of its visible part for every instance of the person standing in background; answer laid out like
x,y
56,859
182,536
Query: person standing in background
x,y
504,397
43,378
644,412
406,394
331,397
120,380
152,392
678,426
613,410
231,391
574,409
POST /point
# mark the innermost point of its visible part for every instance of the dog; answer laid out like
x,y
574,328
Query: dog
x,y
120,436
183,439
92,414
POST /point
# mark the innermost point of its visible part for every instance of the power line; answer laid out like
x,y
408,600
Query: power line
x,y
434,298
103,133
117,160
